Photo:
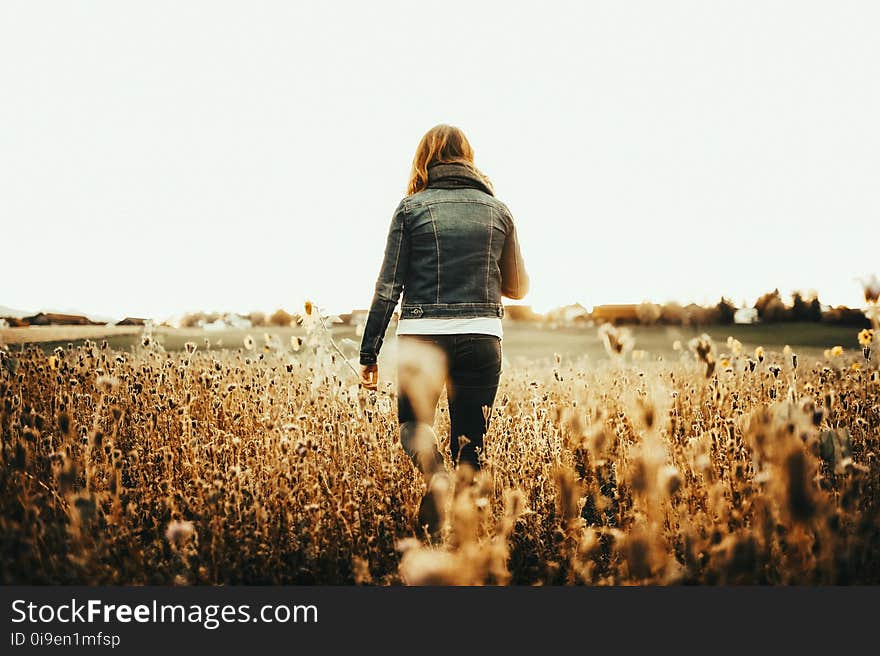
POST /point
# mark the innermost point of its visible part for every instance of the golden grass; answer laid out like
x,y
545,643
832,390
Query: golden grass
x,y
37,334
270,466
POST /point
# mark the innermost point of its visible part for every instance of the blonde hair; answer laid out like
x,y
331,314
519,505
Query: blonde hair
x,y
441,144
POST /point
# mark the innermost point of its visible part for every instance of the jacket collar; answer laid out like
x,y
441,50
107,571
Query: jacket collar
x,y
454,175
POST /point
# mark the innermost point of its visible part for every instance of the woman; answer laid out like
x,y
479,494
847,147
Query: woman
x,y
452,251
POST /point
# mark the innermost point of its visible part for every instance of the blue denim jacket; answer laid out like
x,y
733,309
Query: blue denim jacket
x,y
452,251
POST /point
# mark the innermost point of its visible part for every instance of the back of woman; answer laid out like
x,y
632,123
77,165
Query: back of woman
x,y
457,235
452,252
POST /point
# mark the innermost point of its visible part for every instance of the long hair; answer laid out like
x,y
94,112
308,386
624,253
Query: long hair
x,y
441,144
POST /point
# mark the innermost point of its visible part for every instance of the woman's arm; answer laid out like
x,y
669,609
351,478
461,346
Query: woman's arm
x,y
388,288
514,279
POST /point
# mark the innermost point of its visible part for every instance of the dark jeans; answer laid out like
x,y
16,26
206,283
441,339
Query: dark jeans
x,y
473,366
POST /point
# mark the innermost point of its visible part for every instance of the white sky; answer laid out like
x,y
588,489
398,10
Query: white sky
x,y
160,157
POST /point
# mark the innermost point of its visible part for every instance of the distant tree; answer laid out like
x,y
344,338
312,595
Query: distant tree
x,y
521,313
192,319
648,313
672,313
697,315
257,318
280,318
798,309
814,310
846,316
770,307
724,311
805,307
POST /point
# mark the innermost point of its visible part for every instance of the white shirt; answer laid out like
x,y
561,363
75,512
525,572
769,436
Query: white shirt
x,y
478,325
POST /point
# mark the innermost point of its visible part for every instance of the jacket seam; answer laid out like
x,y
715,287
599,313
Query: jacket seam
x,y
437,245
437,201
391,302
516,263
396,258
488,260
452,304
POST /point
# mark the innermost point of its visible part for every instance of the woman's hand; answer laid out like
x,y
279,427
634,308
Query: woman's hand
x,y
369,376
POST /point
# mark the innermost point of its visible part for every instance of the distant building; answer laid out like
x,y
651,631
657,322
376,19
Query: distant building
x,y
217,324
745,315
238,322
38,319
14,322
132,321
615,314
56,319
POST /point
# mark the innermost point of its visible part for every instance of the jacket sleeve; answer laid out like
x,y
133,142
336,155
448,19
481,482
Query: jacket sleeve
x,y
514,279
388,287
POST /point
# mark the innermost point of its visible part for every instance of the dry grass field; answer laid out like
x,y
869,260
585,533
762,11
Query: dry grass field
x,y
264,462
58,334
